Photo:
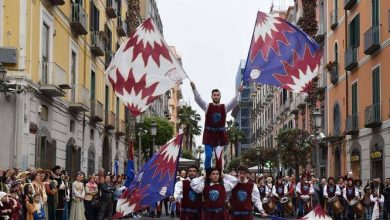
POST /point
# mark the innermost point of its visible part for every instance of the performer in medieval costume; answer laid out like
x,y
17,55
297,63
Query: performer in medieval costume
x,y
304,190
214,135
214,188
331,190
278,192
244,196
342,185
350,193
191,201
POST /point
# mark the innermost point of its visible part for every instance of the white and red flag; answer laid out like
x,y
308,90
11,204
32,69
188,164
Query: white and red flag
x,y
143,68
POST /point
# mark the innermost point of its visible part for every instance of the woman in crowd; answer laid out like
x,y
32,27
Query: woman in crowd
x,y
77,211
91,191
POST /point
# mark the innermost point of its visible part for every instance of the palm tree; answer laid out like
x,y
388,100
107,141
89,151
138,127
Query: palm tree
x,y
234,136
189,119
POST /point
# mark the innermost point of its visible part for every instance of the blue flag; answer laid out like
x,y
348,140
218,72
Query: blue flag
x,y
282,55
130,166
155,182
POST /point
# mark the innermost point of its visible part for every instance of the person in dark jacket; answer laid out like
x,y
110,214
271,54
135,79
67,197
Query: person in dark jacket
x,y
106,191
386,204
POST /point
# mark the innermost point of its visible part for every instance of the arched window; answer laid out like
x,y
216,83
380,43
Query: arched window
x,y
337,161
336,120
91,160
45,150
376,156
355,163
73,157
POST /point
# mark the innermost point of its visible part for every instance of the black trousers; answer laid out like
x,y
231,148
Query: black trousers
x,y
105,210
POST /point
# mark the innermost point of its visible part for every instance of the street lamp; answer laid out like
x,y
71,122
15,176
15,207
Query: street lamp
x,y
153,132
317,116
139,120
258,152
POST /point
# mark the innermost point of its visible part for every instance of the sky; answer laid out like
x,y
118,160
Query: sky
x,y
212,36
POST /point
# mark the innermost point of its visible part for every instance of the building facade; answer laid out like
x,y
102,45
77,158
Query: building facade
x,y
59,109
241,113
358,38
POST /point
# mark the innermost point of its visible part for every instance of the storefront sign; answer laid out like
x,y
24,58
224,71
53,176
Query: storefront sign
x,y
355,158
376,155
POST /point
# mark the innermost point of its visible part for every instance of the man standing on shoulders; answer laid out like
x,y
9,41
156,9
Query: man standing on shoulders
x,y
214,135
244,196
191,201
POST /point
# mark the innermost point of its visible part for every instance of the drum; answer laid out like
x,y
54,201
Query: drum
x,y
366,200
336,205
357,207
288,207
306,203
268,205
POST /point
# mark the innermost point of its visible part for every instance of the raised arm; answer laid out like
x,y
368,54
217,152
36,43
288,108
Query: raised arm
x,y
198,99
197,184
232,103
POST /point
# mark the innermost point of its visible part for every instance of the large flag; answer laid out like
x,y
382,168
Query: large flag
x,y
130,166
318,213
155,182
143,68
282,55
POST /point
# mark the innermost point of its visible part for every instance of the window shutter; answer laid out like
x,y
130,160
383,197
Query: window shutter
x,y
357,30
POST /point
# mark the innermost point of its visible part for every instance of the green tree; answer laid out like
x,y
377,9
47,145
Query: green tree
x,y
234,135
294,148
164,134
189,119
187,154
249,157
233,164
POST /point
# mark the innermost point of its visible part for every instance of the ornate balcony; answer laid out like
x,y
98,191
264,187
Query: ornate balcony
x,y
97,44
81,102
348,4
79,19
57,2
333,20
111,8
371,41
372,116
351,58
96,111
109,119
352,125
122,27
120,128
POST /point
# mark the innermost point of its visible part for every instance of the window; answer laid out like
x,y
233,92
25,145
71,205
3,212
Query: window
x,y
336,56
92,134
336,8
354,99
94,17
91,160
376,86
73,76
45,53
354,32
93,85
355,163
73,157
45,150
375,13
117,109
72,126
44,114
336,120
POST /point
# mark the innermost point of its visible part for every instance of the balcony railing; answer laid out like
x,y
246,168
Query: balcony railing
x,y
348,4
111,8
371,40
108,57
79,19
81,102
352,124
120,127
372,116
122,27
109,119
334,74
97,45
351,58
333,19
96,111
57,2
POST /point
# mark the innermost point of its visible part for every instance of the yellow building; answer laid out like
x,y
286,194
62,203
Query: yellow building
x,y
358,39
174,98
59,109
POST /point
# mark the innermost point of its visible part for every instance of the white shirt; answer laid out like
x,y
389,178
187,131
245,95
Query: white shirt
x,y
229,182
178,192
380,199
337,193
255,196
298,189
204,105
345,193
274,193
268,189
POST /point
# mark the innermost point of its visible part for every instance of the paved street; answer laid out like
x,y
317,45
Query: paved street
x,y
168,218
